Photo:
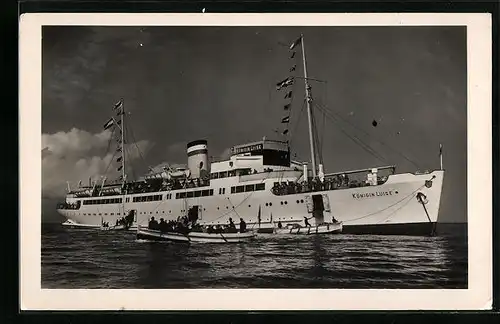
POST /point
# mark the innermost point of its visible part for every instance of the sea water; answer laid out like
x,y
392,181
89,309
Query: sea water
x,y
89,258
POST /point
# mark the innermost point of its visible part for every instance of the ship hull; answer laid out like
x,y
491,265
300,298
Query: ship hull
x,y
407,204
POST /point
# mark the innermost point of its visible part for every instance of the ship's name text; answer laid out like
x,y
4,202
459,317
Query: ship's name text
x,y
372,194
247,149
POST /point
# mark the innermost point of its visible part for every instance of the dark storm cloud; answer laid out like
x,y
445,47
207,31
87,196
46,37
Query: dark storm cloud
x,y
218,83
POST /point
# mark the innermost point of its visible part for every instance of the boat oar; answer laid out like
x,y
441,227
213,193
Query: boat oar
x,y
223,237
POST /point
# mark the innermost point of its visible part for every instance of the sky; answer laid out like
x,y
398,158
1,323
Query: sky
x,y
219,83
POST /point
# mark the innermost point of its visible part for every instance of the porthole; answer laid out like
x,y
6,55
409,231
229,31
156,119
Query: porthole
x,y
270,204
286,202
298,201
249,206
267,204
302,201
281,202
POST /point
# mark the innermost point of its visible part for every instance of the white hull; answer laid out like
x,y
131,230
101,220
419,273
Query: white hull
x,y
392,205
194,237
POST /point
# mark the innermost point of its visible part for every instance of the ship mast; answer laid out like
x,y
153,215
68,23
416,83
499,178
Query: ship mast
x,y
122,128
309,111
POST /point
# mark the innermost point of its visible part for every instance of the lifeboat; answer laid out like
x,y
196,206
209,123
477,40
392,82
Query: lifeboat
x,y
144,233
324,228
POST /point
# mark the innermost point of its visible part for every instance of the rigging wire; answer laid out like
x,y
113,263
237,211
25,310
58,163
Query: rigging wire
x,y
297,122
369,135
130,128
354,138
316,139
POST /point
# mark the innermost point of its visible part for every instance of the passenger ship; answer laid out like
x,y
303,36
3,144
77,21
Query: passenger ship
x,y
262,185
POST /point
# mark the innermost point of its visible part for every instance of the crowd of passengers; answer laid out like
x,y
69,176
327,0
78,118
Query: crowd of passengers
x,y
337,182
68,206
187,224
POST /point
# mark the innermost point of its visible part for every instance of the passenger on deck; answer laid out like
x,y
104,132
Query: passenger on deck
x,y
243,226
280,225
306,221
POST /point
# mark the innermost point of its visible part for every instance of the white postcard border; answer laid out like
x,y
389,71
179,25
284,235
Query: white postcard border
x,y
479,177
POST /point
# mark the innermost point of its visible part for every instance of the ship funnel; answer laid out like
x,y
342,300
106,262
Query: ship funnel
x,y
197,152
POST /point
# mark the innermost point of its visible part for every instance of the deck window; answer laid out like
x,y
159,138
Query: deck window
x,y
240,189
249,188
260,186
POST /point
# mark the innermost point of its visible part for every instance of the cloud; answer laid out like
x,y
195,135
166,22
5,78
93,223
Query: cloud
x,y
79,155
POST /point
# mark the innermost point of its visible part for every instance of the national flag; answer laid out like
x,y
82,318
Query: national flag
x,y
120,168
119,149
119,159
119,121
118,105
297,42
440,149
284,83
293,68
293,55
287,106
288,95
285,119
285,132
109,123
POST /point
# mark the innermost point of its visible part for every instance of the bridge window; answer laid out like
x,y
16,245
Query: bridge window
x,y
190,194
212,191
231,173
214,175
260,186
249,188
223,174
197,193
240,189
205,193
233,190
